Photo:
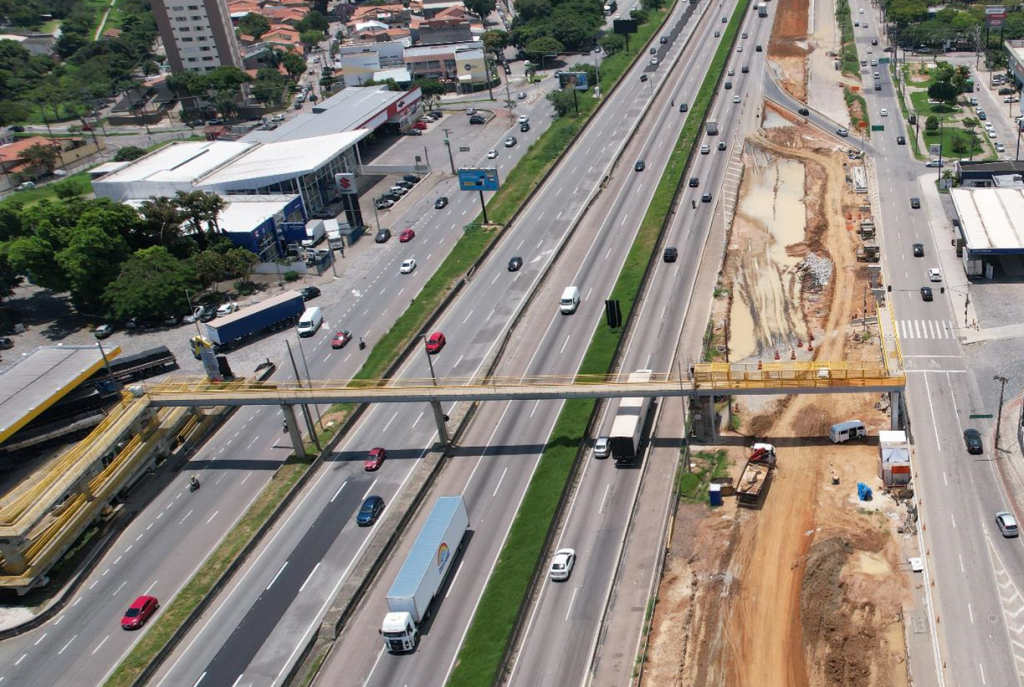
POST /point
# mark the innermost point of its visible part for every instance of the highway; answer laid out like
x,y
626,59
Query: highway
x,y
598,515
171,535
981,638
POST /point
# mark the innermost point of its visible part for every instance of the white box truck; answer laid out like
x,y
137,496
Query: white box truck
x,y
423,573
628,425
315,233
762,9
712,127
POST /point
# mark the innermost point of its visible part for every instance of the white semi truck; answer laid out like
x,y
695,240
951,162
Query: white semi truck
x,y
628,426
423,574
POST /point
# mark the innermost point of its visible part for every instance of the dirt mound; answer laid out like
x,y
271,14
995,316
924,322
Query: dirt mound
x,y
788,47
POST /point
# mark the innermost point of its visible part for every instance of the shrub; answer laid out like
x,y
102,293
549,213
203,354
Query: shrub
x,y
291,275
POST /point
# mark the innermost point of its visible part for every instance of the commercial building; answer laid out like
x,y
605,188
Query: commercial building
x,y
1015,59
197,34
461,67
989,230
989,174
359,63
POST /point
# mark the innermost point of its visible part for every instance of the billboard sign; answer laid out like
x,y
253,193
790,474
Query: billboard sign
x,y
478,179
623,26
577,80
995,16
346,184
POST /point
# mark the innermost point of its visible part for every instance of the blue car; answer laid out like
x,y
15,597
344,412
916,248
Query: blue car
x,y
370,511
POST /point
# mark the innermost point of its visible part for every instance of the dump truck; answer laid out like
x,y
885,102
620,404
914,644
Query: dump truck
x,y
868,252
755,474
628,426
423,574
712,127
272,314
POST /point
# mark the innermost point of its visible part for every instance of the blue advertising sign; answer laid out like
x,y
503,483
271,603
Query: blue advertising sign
x,y
478,180
577,80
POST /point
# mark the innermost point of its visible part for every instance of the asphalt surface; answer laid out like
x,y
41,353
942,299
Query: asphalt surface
x,y
598,515
976,571
171,535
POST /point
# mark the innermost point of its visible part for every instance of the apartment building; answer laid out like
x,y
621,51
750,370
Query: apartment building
x,y
197,34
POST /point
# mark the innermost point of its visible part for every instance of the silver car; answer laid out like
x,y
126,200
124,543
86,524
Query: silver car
x,y
601,447
1006,523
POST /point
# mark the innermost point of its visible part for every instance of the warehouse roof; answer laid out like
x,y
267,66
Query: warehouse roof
x,y
41,378
273,162
180,162
243,213
991,219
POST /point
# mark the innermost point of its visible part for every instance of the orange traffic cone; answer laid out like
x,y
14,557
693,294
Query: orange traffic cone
x,y
777,357
792,354
799,343
759,364
809,347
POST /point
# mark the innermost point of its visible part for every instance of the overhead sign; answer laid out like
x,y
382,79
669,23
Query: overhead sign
x,y
577,80
478,180
346,184
622,26
995,16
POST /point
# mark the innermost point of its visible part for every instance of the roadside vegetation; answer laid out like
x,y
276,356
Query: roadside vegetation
x,y
704,467
848,50
479,660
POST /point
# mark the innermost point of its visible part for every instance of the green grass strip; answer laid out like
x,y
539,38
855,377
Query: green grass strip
x,y
479,660
848,53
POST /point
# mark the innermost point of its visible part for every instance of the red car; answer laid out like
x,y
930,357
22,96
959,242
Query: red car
x,y
87,127
422,126
436,342
139,612
341,339
375,459
406,236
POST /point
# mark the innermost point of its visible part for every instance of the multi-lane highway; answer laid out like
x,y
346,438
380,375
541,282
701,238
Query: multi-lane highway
x,y
171,535
974,568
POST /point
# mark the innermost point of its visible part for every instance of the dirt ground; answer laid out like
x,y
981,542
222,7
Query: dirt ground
x,y
801,591
788,47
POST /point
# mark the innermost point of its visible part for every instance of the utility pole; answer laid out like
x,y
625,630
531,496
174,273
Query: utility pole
x,y
999,418
448,143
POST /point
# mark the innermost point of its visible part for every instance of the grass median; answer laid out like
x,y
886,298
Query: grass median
x,y
479,660
848,52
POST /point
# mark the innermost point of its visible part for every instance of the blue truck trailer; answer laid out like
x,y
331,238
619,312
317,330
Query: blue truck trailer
x,y
270,315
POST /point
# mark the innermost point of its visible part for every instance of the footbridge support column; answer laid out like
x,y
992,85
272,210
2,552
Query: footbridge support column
x,y
896,419
704,419
292,425
440,419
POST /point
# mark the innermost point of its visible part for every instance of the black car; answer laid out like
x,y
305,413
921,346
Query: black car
x,y
926,293
382,236
524,127
804,112
195,122
643,78
728,85
901,141
915,203
370,511
6,343
309,292
758,48
206,313
744,69
694,182
515,263
405,184
477,119
918,250
441,203
639,166
683,107
671,254
972,439
706,198
411,178
413,132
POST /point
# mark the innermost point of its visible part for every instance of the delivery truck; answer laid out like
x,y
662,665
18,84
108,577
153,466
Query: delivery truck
x,y
762,9
272,314
423,574
712,127
628,426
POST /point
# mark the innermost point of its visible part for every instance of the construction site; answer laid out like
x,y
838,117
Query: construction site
x,y
800,576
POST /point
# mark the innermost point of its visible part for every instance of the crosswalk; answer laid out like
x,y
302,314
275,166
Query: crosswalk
x,y
927,329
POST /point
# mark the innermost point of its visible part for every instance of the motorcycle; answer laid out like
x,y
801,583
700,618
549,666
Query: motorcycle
x,y
193,484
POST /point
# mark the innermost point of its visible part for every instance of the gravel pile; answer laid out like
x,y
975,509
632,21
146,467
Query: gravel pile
x,y
816,271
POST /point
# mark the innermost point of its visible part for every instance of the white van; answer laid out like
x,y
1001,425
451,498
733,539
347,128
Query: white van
x,y
310,321
844,431
570,300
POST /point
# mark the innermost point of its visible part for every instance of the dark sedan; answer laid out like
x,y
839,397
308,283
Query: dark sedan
x,y
370,511
515,263
972,440
441,203
309,292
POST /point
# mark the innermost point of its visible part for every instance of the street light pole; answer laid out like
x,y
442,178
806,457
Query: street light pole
x,y
999,418
448,144
376,220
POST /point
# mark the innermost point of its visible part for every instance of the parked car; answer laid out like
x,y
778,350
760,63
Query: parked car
x,y
103,331
370,511
383,203
375,459
406,236
6,343
477,119
341,339
141,610
226,309
411,178
382,236
420,125
436,342
309,292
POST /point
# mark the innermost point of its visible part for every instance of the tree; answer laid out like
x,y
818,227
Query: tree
x,y
12,112
311,39
612,43
588,69
562,101
944,91
90,258
494,40
33,256
72,188
313,21
931,124
528,10
269,86
199,211
151,284
432,89
960,145
480,8
539,47
209,267
254,25
241,262
293,64
41,155
128,153
161,225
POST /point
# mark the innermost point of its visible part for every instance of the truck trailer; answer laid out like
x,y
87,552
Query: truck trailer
x,y
762,9
423,574
755,474
628,426
272,314
712,127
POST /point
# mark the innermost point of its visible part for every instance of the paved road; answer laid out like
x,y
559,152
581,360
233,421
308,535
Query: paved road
x,y
599,512
977,572
170,536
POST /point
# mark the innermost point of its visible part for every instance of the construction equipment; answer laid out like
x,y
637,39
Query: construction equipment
x,y
867,230
868,252
755,474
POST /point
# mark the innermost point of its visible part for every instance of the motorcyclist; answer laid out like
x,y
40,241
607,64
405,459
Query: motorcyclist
x,y
193,482
694,204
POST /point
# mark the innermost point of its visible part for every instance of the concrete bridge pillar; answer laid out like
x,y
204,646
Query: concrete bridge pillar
x,y
14,560
440,419
292,424
896,419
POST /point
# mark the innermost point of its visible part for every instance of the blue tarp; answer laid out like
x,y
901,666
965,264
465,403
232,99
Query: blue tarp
x,y
863,491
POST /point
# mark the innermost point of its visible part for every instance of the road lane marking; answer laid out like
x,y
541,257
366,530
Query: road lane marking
x,y
119,588
961,558
589,291
385,430
23,656
420,417
36,643
183,519
277,575
565,344
67,645
368,491
571,602
931,409
970,612
952,519
98,647
458,361
498,485
604,499
336,494
212,517
246,477
470,313
59,619
149,588
311,572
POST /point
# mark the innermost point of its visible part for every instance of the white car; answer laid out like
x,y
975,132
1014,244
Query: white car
x,y
1000,148
491,154
654,61
510,141
705,149
992,133
561,564
884,112
601,447
521,95
408,266
226,309
862,10
736,99
523,119
934,274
